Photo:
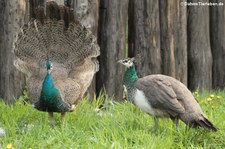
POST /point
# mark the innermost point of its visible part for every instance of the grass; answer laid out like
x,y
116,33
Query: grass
x,y
120,125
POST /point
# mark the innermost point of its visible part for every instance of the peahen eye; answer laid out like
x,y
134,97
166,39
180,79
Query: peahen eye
x,y
125,61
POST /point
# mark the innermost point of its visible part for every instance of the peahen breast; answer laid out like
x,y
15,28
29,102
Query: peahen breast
x,y
50,99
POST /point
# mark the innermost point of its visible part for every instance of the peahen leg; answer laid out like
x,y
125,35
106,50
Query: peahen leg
x,y
63,117
175,120
51,118
156,122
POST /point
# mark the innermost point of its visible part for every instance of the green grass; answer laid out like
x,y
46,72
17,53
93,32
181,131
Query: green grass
x,y
121,125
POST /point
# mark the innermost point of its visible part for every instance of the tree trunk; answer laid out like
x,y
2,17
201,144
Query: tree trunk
x,y
167,37
86,11
217,40
112,41
12,17
144,36
199,51
181,53
173,39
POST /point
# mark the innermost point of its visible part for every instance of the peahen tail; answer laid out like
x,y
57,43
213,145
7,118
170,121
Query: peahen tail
x,y
203,122
57,36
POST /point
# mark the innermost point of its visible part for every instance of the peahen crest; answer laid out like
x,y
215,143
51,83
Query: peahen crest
x,y
71,48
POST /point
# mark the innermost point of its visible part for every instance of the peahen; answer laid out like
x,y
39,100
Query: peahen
x,y
163,96
54,40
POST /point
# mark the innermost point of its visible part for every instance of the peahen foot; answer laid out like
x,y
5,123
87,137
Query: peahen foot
x,y
51,118
63,118
156,121
72,108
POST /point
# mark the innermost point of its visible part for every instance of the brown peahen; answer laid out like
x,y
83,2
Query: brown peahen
x,y
163,96
56,39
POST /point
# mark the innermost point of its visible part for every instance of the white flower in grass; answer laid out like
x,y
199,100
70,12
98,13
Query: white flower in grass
x,y
2,132
98,111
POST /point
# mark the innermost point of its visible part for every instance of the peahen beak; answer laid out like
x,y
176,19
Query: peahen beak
x,y
120,61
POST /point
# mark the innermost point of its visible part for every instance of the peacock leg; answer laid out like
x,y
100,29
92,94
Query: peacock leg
x,y
63,117
51,118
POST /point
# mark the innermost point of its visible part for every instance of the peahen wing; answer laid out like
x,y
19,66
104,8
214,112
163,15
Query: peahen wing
x,y
160,93
71,47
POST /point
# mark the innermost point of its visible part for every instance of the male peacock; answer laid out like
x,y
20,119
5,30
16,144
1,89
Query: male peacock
x,y
56,39
163,96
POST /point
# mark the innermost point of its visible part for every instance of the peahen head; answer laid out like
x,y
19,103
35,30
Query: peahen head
x,y
130,75
49,66
129,62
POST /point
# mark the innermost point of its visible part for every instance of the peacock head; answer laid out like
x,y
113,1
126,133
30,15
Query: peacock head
x,y
49,66
129,62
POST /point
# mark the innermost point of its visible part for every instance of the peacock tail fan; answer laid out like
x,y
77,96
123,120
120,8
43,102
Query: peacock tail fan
x,y
55,35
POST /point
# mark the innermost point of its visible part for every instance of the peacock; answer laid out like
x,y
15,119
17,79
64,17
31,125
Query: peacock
x,y
59,57
163,96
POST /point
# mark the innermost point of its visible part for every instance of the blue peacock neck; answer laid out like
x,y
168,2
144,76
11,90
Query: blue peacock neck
x,y
130,76
48,85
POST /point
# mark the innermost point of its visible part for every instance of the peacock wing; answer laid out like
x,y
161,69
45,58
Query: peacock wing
x,y
160,94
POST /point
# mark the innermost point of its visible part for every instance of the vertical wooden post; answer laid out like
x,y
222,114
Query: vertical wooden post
x,y
173,39
217,40
12,17
112,41
199,51
144,36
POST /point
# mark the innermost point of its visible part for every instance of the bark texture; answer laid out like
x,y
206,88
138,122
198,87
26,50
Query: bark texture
x,y
144,36
199,49
173,35
217,41
112,41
